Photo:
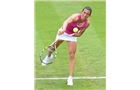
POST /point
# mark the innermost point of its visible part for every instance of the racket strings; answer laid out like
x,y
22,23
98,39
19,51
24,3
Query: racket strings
x,y
52,49
53,46
48,51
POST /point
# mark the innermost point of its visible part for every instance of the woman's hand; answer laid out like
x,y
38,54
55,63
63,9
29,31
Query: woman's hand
x,y
60,32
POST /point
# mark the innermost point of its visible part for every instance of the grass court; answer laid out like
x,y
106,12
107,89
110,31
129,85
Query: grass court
x,y
91,46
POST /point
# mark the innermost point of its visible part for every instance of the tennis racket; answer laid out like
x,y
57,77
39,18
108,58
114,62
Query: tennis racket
x,y
47,56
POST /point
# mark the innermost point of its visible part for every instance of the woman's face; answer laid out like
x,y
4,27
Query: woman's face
x,y
85,14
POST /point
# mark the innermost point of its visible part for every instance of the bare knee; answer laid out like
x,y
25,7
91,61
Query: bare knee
x,y
72,55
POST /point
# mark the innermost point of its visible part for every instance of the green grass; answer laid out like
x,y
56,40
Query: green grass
x,y
80,85
91,50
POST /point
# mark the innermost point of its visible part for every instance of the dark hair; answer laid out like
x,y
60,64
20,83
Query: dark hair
x,y
88,8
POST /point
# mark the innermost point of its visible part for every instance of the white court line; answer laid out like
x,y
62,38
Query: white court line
x,y
101,77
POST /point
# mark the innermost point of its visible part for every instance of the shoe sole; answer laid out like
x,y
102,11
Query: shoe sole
x,y
70,84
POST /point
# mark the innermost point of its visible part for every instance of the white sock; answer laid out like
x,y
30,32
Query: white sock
x,y
46,57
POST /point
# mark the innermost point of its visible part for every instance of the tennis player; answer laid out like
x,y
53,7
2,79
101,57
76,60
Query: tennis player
x,y
66,33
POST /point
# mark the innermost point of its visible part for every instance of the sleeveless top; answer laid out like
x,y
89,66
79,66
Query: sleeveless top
x,y
69,29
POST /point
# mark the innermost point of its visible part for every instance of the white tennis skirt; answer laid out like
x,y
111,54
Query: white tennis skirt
x,y
65,37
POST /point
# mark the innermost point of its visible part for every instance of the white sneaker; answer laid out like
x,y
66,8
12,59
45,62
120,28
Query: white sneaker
x,y
70,81
46,60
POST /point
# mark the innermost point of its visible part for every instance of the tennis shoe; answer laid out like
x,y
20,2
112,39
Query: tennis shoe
x,y
70,81
46,60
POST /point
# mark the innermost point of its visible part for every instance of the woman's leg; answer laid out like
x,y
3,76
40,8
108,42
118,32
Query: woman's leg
x,y
72,49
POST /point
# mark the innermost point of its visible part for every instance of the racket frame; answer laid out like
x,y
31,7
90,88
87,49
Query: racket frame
x,y
46,48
